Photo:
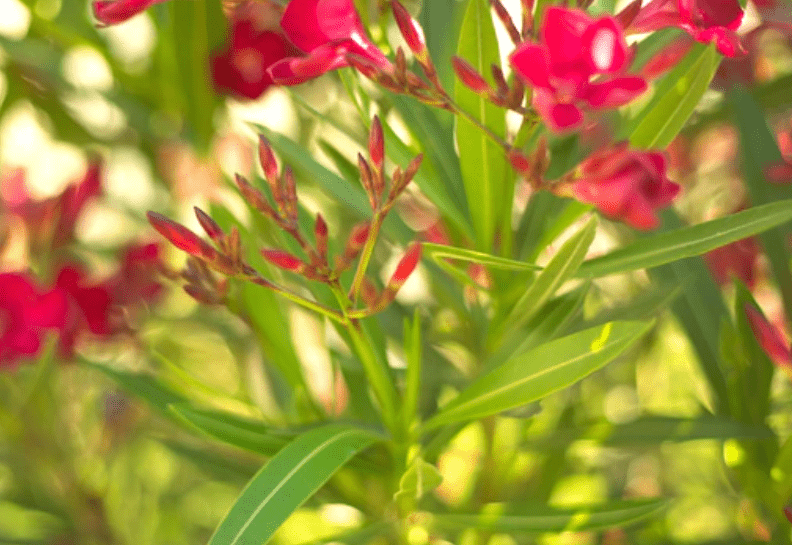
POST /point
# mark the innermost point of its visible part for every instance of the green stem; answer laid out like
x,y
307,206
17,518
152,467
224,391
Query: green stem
x,y
365,255
300,300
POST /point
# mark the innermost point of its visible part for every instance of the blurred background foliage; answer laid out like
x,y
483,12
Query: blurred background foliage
x,y
92,452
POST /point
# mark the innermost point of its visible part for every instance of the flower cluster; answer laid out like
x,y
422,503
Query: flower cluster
x,y
225,255
72,305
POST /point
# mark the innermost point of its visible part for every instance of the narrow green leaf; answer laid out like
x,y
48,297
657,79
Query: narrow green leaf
x,y
287,481
676,96
651,430
481,160
662,248
155,393
561,268
438,252
546,519
230,428
541,371
759,150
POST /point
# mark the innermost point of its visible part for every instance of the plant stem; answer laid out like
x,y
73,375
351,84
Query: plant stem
x,y
365,255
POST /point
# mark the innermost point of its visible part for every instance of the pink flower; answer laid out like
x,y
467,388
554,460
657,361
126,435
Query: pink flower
x,y
111,12
627,184
327,30
737,259
768,337
576,65
26,313
256,43
707,21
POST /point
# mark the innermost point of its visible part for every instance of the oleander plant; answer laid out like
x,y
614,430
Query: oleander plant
x,y
470,272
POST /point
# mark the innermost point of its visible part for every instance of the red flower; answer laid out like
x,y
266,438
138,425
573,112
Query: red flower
x,y
326,30
768,337
707,21
90,304
26,313
574,49
111,12
737,259
255,44
627,184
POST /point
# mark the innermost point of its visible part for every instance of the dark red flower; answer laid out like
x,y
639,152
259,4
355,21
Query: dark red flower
x,y
111,12
628,185
737,259
327,30
255,43
576,64
26,313
707,21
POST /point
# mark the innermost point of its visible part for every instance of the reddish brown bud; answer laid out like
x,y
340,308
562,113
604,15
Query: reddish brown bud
x,y
469,76
290,197
405,267
267,159
407,177
519,162
209,225
500,80
788,512
516,94
368,293
364,66
626,16
359,235
412,32
320,235
366,179
376,144
254,197
284,260
181,237
506,19
201,294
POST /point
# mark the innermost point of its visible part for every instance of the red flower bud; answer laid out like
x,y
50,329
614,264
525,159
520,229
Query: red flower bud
x,y
788,512
469,76
412,32
181,237
359,235
519,162
768,337
376,144
320,235
284,260
209,225
267,159
406,266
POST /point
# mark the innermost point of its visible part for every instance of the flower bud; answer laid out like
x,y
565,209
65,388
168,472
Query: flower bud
x,y
181,237
320,236
519,162
376,144
507,21
267,159
469,77
254,197
290,197
405,267
209,225
284,260
412,32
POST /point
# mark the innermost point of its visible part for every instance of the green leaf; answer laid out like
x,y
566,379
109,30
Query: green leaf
x,y
759,150
560,269
541,371
438,252
546,519
287,481
481,160
154,392
651,430
230,428
676,96
662,248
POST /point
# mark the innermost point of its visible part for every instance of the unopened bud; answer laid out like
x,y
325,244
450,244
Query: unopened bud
x,y
412,32
201,294
407,177
626,16
519,162
376,144
788,512
500,80
506,19
209,225
320,236
284,260
267,159
181,237
290,197
779,173
406,266
366,179
469,76
254,197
